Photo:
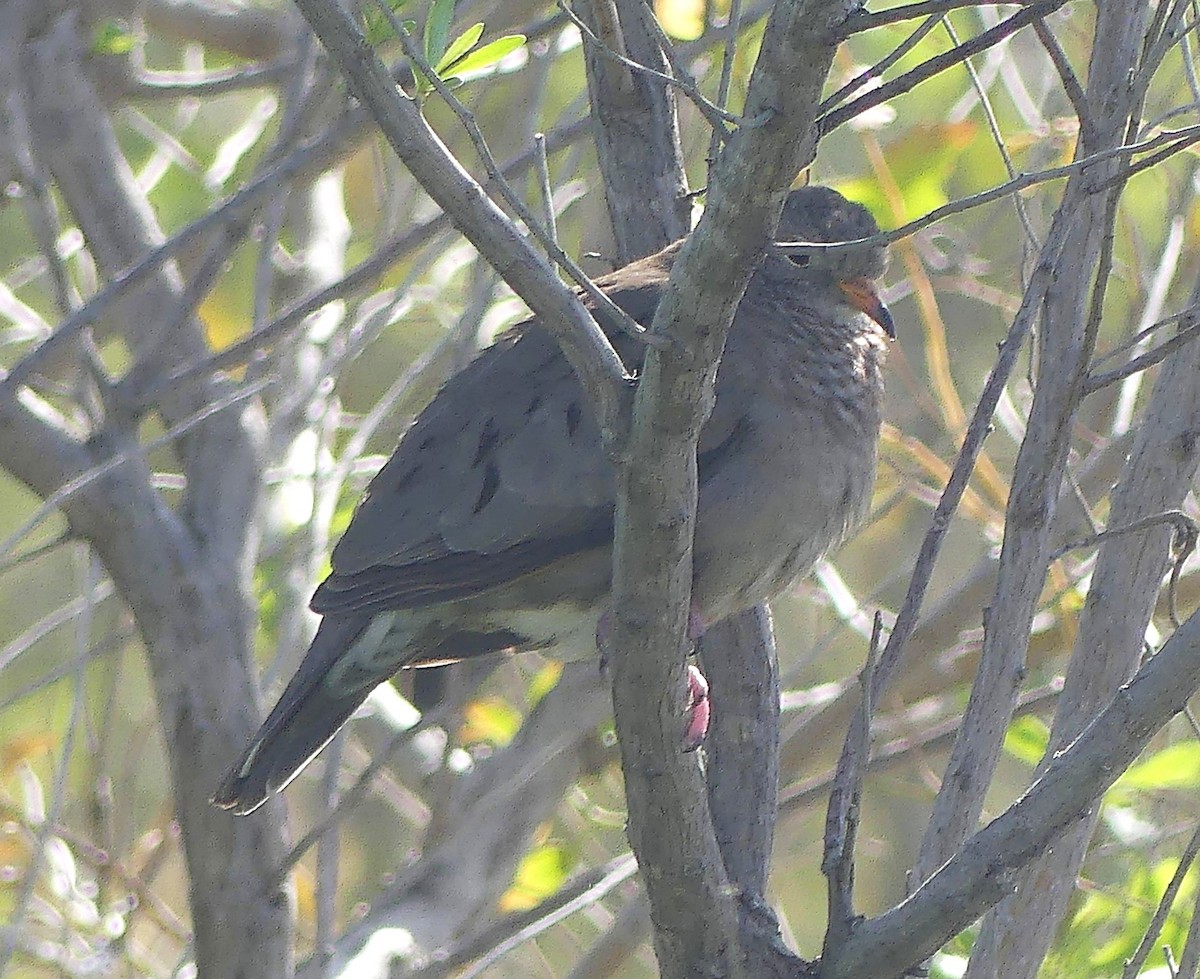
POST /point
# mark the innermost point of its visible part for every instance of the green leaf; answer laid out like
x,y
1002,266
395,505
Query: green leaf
x,y
541,873
921,162
1027,739
462,44
113,36
490,720
378,27
487,55
545,680
1176,766
437,29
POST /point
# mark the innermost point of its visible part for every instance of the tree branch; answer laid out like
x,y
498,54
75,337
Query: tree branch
x,y
982,871
652,559
597,365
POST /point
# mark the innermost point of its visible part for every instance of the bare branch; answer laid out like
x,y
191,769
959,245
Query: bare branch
x,y
927,69
845,796
1133,966
983,869
591,355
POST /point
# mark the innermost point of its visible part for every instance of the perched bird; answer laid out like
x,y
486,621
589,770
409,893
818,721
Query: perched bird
x,y
491,527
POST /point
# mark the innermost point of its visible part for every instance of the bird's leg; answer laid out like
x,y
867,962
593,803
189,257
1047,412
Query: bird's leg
x,y
698,711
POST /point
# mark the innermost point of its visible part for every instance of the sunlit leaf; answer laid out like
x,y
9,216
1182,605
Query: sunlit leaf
x,y
682,19
488,55
378,26
462,44
306,895
113,36
437,29
25,747
490,720
14,850
540,874
223,323
1176,766
1027,739
920,163
545,680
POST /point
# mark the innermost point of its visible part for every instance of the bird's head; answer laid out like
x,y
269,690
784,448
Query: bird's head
x,y
821,215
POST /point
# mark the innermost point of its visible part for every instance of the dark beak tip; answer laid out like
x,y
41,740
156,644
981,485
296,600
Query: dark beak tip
x,y
883,316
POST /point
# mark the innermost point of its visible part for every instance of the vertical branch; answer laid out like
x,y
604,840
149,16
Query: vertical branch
x,y
845,798
185,573
1067,341
1124,588
636,130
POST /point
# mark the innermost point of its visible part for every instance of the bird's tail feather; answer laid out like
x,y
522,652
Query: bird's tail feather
x,y
309,713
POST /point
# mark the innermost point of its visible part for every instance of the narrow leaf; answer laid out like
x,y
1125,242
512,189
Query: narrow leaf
x,y
487,55
437,29
462,44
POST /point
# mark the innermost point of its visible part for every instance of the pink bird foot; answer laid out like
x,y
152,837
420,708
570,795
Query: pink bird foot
x,y
699,709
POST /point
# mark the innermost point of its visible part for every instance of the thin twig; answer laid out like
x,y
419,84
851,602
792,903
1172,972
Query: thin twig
x,y
1133,965
328,860
977,430
841,820
727,55
615,872
1191,313
812,790
935,65
997,136
203,84
89,476
716,116
1066,75
878,69
487,947
358,277
1182,546
1175,140
543,171
1147,360
606,309
1189,965
76,607
11,933
869,21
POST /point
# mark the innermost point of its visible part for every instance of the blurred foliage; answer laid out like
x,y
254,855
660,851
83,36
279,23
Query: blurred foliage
x,y
111,887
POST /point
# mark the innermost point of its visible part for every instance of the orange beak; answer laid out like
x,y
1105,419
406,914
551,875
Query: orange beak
x,y
864,298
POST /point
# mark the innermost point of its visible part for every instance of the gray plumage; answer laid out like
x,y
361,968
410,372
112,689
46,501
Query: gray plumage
x,y
490,528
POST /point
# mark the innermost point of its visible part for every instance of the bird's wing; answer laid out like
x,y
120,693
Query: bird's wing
x,y
502,475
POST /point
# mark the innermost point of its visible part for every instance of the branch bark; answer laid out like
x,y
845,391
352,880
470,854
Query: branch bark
x,y
1067,341
696,924
513,256
184,573
983,870
1121,599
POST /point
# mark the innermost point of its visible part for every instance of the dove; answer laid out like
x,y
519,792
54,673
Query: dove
x,y
490,528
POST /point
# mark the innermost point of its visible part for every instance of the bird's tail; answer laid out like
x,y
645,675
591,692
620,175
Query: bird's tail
x,y
317,702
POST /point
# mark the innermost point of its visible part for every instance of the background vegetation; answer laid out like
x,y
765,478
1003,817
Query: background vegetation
x,y
238,396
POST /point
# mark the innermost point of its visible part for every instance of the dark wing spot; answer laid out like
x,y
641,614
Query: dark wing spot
x,y
407,478
491,482
574,417
487,441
